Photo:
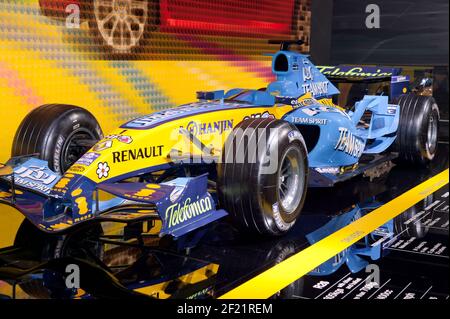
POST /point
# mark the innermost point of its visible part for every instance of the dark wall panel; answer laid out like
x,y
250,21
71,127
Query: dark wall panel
x,y
321,18
413,32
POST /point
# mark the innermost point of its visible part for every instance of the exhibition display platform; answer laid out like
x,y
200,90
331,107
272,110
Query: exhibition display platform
x,y
382,235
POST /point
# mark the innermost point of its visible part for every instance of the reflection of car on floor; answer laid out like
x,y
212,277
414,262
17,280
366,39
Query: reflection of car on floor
x,y
413,223
116,269
124,24
146,275
246,153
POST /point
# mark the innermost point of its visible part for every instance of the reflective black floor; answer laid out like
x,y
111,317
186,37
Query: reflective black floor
x,y
409,255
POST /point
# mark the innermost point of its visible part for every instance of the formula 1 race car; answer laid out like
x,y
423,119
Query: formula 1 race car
x,y
250,154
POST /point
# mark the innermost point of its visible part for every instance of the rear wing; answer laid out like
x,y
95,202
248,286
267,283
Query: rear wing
x,y
399,84
352,73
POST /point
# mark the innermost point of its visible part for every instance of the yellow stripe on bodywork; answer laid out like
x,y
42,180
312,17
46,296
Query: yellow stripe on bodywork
x,y
168,139
281,275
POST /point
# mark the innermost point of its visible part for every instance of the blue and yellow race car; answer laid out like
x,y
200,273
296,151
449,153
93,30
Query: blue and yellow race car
x,y
247,153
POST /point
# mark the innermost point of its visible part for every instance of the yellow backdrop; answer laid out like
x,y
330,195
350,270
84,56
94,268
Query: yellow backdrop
x,y
44,61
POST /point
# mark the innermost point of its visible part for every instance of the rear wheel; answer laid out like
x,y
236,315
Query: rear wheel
x,y
417,136
262,178
59,133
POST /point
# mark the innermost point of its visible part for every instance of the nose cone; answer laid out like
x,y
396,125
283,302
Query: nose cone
x,y
125,153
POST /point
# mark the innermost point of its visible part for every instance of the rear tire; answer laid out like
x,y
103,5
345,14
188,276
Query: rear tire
x,y
260,198
59,133
417,134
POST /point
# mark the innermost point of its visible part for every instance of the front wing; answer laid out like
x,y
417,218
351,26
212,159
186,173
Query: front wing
x,y
182,205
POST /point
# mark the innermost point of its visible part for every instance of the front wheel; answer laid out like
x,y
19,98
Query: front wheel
x,y
59,133
262,178
417,135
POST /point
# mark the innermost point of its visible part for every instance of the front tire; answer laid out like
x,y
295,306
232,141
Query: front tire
x,y
417,135
59,133
261,198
